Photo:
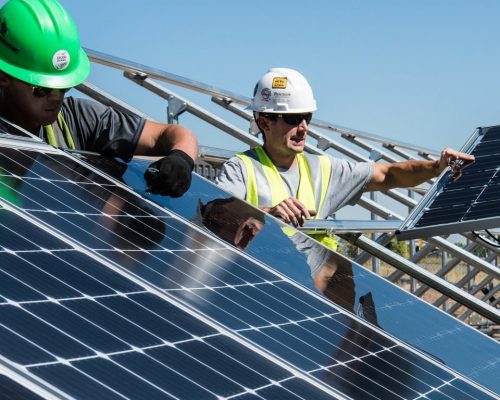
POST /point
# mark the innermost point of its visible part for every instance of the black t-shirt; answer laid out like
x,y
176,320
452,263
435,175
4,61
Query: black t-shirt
x,y
102,129
95,127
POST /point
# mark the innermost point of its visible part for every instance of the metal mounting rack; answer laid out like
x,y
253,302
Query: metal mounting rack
x,y
465,279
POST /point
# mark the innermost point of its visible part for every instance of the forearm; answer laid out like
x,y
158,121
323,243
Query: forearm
x,y
158,139
178,138
403,174
411,173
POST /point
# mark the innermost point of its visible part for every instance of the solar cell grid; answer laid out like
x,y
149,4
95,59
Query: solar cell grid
x,y
402,315
476,213
458,196
95,334
469,203
490,193
312,336
489,144
436,216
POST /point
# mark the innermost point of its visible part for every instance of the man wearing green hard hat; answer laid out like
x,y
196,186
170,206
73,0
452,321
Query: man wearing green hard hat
x,y
40,60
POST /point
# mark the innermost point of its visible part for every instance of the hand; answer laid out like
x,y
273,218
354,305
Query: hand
x,y
454,159
291,211
170,175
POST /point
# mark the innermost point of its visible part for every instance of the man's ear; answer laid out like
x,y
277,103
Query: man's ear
x,y
263,123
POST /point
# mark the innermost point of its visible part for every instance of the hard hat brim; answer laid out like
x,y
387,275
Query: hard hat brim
x,y
56,80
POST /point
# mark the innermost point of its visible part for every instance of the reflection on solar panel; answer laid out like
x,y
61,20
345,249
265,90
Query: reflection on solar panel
x,y
471,202
356,289
104,295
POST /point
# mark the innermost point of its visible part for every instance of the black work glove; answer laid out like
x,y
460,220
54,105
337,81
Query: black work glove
x,y
170,175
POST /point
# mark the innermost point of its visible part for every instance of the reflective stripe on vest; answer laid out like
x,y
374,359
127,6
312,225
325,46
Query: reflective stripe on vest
x,y
60,125
305,192
277,188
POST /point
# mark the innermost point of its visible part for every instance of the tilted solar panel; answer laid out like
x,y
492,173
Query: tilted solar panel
x,y
471,202
11,389
353,287
130,341
79,329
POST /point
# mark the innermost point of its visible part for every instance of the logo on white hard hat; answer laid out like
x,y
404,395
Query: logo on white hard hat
x,y
266,94
280,82
60,60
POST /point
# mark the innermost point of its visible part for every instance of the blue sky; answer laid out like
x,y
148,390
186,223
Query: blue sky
x,y
425,72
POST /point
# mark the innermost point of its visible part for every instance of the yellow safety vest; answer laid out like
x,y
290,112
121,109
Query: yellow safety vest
x,y
50,135
279,192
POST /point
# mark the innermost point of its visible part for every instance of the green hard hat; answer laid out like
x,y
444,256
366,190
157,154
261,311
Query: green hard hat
x,y
39,44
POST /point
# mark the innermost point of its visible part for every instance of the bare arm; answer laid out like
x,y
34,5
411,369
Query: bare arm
x,y
411,173
158,139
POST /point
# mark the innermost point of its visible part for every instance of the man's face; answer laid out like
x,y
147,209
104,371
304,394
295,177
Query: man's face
x,y
28,106
235,222
285,137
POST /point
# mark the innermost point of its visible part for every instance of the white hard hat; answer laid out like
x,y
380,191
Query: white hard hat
x,y
283,90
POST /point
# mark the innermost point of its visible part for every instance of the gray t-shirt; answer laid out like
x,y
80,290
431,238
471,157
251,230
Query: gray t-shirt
x,y
347,183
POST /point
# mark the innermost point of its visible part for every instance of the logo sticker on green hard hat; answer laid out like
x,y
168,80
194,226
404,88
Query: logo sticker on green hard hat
x,y
60,60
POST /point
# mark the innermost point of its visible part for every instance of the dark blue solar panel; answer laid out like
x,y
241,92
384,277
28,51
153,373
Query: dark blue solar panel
x,y
44,335
359,290
186,264
12,390
471,202
75,382
471,391
28,274
94,334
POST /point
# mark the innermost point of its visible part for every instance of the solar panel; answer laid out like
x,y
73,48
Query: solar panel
x,y
471,202
172,297
7,129
92,333
355,289
11,389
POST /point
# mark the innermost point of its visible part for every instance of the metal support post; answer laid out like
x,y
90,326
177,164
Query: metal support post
x,y
175,108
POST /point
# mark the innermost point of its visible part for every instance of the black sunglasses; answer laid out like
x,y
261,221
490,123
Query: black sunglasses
x,y
41,91
291,119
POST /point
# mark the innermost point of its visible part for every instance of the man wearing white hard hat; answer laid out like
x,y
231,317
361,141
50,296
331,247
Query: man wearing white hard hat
x,y
282,180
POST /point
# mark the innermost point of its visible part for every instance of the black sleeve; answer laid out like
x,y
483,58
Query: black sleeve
x,y
102,129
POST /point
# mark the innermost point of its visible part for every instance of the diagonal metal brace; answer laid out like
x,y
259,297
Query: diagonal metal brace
x,y
175,108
